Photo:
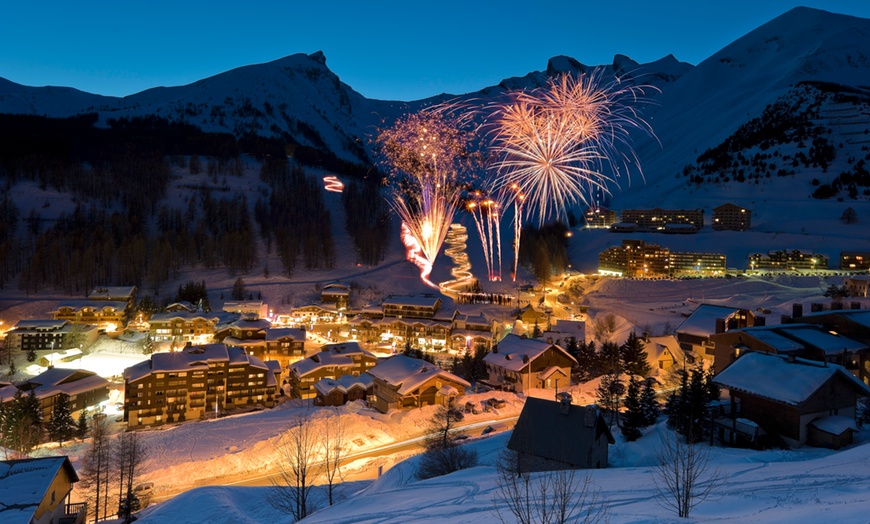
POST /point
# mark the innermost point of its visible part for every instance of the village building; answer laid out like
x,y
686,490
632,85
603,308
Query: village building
x,y
344,389
333,361
694,334
808,341
337,294
283,345
402,382
855,261
37,491
801,401
421,306
49,334
689,263
852,323
195,383
787,260
857,286
326,313
731,217
251,308
635,258
183,327
656,219
83,390
551,436
520,364
599,217
108,316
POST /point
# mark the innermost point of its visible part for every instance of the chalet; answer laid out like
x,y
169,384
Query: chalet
x,y
107,315
422,306
559,435
83,389
791,397
731,217
807,341
249,331
519,364
285,345
254,308
857,286
183,327
528,317
470,331
40,335
314,314
195,382
337,294
344,389
403,382
37,491
694,334
333,361
664,353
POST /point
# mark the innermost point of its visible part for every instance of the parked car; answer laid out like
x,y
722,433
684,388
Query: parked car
x,y
497,403
498,426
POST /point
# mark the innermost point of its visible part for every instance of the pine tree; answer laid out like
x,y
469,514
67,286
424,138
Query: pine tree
x,y
82,425
633,419
634,359
62,426
608,393
31,356
588,359
649,404
238,292
610,359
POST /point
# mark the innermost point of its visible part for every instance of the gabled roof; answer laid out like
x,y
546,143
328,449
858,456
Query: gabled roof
x,y
331,355
25,483
67,381
343,383
776,378
183,315
415,301
408,373
702,322
543,431
515,353
190,359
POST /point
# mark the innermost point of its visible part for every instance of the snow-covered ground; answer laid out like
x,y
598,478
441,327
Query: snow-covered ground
x,y
777,486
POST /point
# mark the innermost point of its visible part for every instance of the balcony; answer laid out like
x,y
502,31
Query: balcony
x,y
75,513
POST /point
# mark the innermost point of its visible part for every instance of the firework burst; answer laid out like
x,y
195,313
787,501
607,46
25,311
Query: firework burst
x,y
486,211
426,153
559,144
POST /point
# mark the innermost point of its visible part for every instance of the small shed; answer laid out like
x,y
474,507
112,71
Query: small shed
x,y
832,432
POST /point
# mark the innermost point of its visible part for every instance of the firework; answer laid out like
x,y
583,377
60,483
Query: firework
x,y
426,153
486,211
555,145
461,272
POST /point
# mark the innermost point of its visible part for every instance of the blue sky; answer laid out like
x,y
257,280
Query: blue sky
x,y
402,50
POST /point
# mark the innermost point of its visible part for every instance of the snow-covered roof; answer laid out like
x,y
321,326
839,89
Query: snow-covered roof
x,y
416,301
859,316
512,349
343,383
702,322
776,378
277,333
408,373
189,359
75,387
331,355
184,315
25,483
112,293
95,304
835,424
829,343
769,336
7,391
250,323
40,324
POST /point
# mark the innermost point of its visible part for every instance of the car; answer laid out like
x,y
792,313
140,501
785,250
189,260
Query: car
x,y
461,436
499,426
497,403
144,487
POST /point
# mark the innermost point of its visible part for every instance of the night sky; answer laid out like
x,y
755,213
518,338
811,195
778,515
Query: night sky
x,y
402,50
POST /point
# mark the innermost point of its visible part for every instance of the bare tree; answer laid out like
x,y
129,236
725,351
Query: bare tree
x,y
683,477
96,470
130,454
443,454
296,456
603,327
552,497
334,445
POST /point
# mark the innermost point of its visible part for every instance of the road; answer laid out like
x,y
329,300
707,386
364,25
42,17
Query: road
x,y
412,444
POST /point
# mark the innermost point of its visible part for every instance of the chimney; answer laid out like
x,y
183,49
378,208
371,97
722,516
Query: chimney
x,y
646,336
720,325
785,319
590,416
525,359
564,405
797,310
